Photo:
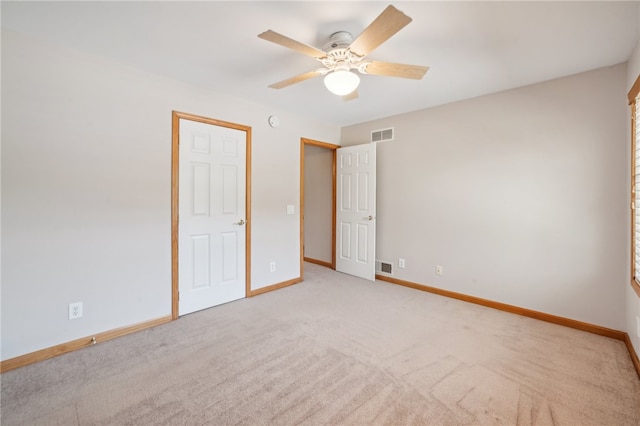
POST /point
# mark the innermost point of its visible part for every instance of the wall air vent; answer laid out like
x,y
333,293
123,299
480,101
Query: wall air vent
x,y
382,135
383,267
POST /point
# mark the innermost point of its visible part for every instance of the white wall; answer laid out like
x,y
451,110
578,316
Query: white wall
x,y
521,196
633,301
86,191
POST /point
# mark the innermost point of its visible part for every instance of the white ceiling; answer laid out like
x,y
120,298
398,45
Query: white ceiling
x,y
473,48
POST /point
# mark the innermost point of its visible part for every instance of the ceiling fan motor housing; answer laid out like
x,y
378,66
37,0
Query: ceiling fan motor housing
x,y
338,53
338,40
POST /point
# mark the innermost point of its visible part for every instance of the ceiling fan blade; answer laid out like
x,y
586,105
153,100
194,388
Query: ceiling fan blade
x,y
389,22
390,69
287,42
351,96
294,80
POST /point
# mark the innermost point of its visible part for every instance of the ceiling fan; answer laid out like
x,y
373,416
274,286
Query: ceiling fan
x,y
342,54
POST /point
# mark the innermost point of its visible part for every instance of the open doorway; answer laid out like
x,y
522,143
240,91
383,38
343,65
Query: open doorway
x,y
317,203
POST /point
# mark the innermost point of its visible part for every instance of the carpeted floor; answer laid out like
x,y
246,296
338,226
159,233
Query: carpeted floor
x,y
335,350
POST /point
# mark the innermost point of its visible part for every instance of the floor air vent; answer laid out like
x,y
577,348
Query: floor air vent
x,y
382,135
383,267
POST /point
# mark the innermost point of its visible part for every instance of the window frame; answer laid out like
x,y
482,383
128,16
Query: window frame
x,y
634,99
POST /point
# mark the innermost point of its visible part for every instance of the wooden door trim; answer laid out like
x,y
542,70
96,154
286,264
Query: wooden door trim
x,y
333,148
175,174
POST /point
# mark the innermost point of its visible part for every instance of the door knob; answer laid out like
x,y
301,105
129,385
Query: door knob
x,y
240,223
369,218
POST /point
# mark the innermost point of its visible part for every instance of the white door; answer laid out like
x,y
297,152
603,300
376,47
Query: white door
x,y
211,224
356,210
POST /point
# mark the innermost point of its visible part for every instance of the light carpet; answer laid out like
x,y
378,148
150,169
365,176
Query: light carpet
x,y
335,350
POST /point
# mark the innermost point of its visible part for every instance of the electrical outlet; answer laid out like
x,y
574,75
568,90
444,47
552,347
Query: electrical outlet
x,y
272,266
401,263
75,310
438,270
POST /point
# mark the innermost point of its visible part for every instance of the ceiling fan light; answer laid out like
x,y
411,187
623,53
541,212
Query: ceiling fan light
x,y
341,82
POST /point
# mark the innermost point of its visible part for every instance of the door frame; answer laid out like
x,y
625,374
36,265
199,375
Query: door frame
x,y
333,148
175,175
